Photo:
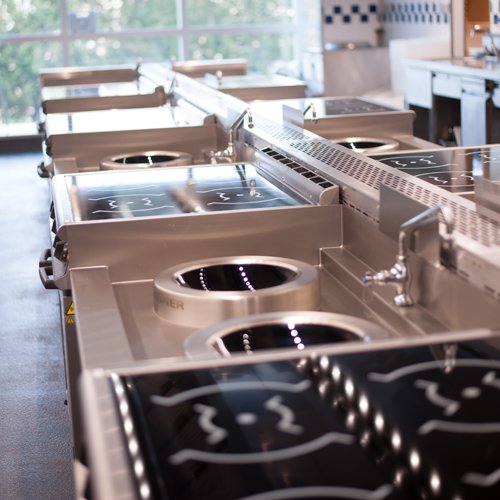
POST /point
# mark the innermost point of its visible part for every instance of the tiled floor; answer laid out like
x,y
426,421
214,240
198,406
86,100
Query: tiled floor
x,y
35,442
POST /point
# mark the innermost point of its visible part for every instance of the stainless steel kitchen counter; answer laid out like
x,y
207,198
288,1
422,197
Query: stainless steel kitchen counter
x,y
463,66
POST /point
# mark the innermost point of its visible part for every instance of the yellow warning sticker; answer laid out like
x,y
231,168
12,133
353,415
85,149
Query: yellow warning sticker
x,y
71,310
70,320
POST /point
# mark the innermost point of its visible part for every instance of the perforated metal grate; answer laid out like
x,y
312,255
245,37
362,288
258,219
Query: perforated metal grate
x,y
467,221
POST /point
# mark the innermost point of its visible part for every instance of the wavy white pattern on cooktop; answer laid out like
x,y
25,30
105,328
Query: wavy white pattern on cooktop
x,y
324,492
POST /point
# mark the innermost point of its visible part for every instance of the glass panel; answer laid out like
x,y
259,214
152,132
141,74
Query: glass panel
x,y
122,50
19,88
216,12
173,190
29,16
267,53
311,20
117,15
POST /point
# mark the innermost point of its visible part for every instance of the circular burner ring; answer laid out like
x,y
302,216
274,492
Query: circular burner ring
x,y
204,292
296,330
146,159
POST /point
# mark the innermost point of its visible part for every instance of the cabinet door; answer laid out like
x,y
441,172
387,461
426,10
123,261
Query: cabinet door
x,y
446,85
475,112
419,87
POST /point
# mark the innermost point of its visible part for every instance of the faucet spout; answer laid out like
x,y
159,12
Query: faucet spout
x,y
408,228
492,50
172,85
311,107
229,154
241,119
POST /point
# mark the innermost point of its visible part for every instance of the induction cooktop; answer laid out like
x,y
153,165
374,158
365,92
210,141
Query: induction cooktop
x,y
327,107
354,105
452,169
416,422
173,190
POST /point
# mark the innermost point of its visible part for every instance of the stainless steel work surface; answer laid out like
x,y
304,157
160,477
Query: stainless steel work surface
x,y
133,331
466,66
120,244
141,86
252,81
113,120
112,280
70,75
74,98
199,68
257,86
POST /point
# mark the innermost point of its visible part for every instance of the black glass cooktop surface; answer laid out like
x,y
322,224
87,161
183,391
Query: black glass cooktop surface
x,y
173,190
453,169
420,422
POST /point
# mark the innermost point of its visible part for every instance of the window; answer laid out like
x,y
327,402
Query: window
x,y
107,16
37,34
220,12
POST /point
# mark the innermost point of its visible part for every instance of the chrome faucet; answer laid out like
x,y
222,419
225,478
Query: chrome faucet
x,y
170,96
229,154
399,274
171,91
219,75
491,51
311,107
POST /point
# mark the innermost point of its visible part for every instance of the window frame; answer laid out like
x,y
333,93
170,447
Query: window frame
x,y
183,32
